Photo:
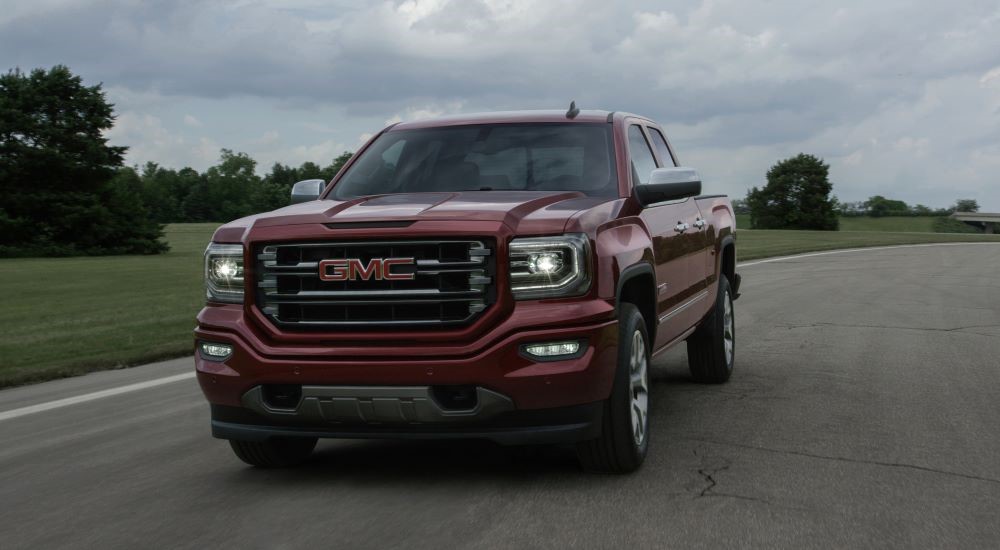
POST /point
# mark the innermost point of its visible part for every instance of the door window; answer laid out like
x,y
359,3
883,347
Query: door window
x,y
643,162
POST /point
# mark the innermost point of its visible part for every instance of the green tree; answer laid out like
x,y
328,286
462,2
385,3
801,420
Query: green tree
x,y
282,175
330,171
231,186
310,170
57,194
277,184
740,206
966,205
857,208
160,189
797,196
197,205
879,206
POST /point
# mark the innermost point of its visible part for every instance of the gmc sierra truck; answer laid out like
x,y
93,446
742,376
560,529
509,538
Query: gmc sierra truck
x,y
506,276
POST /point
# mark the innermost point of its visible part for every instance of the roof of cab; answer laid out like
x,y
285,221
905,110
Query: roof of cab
x,y
504,117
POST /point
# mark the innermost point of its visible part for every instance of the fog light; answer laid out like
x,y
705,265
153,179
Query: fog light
x,y
553,349
216,352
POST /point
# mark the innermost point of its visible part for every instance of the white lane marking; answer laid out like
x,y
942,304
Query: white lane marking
x,y
862,249
7,415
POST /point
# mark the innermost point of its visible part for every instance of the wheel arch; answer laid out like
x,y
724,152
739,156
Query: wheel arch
x,y
637,286
727,259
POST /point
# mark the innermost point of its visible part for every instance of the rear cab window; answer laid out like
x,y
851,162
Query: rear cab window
x,y
660,143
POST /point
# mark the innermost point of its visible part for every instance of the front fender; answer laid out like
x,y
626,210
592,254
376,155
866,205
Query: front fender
x,y
617,249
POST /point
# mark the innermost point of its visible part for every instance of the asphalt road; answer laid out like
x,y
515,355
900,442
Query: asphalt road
x,y
864,412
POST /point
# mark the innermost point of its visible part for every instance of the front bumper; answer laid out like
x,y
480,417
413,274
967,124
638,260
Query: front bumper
x,y
386,392
563,425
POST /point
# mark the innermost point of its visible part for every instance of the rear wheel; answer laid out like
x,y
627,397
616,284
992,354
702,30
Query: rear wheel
x,y
712,347
276,452
624,437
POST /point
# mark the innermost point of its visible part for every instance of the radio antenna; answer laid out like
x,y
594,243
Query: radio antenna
x,y
573,111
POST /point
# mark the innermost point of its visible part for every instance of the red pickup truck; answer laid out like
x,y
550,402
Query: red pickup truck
x,y
506,276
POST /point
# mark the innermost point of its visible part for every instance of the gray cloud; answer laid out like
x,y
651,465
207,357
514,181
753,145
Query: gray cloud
x,y
737,83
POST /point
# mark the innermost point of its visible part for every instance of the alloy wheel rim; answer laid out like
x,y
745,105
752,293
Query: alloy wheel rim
x,y
728,328
639,378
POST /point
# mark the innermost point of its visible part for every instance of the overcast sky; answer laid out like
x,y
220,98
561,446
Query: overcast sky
x,y
902,98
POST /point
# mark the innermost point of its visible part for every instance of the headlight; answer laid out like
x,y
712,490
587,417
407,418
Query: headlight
x,y
547,267
224,273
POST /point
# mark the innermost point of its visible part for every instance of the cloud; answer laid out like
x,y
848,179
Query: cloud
x,y
425,111
149,140
991,78
869,86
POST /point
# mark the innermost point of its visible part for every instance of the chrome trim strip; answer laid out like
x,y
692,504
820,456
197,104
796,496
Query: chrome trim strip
x,y
666,316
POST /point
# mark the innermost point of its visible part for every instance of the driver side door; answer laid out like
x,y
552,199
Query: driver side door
x,y
678,245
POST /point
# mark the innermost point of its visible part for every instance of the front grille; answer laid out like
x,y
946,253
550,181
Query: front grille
x,y
452,283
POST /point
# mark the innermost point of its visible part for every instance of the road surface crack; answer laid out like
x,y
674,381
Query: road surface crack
x,y
708,475
843,459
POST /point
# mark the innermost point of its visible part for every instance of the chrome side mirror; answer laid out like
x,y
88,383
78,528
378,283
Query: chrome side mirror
x,y
307,190
668,184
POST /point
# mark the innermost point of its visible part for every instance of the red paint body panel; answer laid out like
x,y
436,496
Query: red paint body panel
x,y
497,367
485,352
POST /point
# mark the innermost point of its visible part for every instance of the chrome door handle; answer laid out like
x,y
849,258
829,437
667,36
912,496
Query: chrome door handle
x,y
699,223
681,227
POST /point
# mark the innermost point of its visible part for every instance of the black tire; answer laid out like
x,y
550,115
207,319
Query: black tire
x,y
617,450
276,452
708,358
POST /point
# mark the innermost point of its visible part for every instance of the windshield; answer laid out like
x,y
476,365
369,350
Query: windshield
x,y
486,157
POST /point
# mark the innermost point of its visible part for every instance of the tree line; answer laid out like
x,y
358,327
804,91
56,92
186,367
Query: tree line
x,y
879,206
798,195
231,189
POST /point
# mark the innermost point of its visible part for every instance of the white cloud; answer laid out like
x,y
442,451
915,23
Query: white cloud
x,y
192,121
991,78
425,111
148,140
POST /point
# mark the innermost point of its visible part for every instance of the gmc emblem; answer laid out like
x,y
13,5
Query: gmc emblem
x,y
353,269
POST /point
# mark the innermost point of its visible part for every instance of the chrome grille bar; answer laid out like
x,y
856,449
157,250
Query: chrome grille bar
x,y
452,283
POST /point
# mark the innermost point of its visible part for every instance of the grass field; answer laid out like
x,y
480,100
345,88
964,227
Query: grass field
x,y
66,316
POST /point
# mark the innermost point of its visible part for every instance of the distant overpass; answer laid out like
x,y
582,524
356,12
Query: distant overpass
x,y
989,222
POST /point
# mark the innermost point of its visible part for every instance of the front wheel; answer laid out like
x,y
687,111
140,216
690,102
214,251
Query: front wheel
x,y
275,452
712,347
624,438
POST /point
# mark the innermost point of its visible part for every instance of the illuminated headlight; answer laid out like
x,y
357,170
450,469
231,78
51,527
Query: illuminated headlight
x,y
215,352
549,267
546,263
224,273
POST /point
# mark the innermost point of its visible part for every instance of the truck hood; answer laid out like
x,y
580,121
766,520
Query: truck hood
x,y
525,212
